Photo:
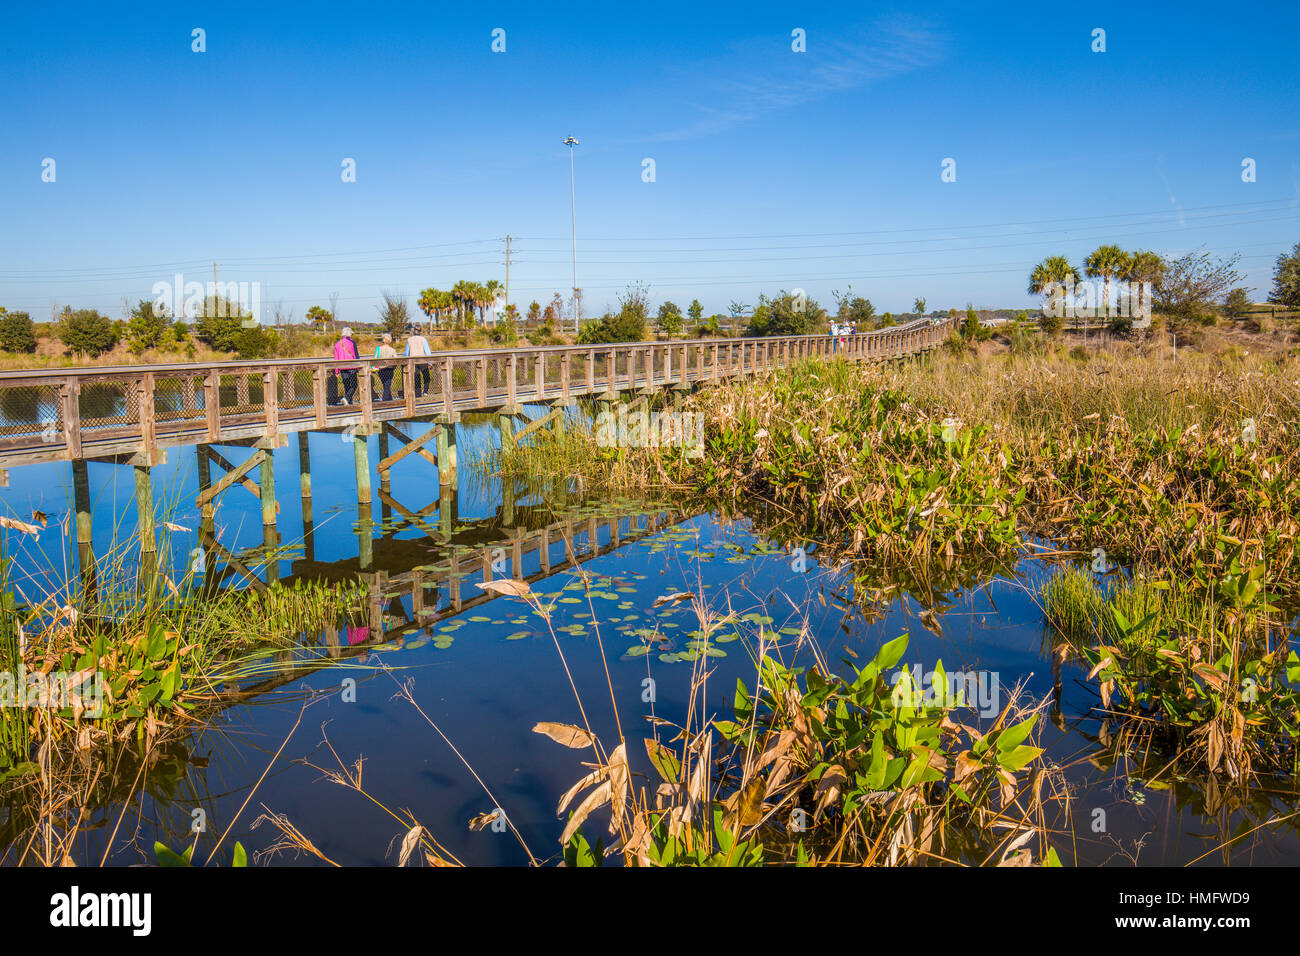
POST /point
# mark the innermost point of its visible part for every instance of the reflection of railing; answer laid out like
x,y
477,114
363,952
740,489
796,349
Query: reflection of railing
x,y
441,590
86,413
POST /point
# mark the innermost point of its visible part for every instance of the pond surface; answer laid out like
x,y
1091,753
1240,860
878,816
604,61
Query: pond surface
x,y
486,675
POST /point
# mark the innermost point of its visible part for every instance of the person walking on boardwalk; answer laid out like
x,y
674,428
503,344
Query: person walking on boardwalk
x,y
385,350
417,345
346,348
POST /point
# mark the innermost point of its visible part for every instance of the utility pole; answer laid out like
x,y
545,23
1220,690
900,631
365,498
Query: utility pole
x,y
507,271
573,212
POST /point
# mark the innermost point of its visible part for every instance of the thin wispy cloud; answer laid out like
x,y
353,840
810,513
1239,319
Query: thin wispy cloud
x,y
753,81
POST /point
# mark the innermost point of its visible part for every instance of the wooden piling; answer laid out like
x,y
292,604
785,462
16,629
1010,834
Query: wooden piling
x,y
85,547
144,518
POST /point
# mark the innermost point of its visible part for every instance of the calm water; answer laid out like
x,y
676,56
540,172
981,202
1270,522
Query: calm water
x,y
487,675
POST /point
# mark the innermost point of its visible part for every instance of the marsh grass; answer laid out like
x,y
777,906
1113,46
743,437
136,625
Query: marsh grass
x,y
570,458
1184,471
168,652
1187,677
808,770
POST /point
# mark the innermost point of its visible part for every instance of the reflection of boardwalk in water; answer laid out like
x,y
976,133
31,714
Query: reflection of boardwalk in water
x,y
437,579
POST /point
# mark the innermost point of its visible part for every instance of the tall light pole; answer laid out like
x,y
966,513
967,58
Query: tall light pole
x,y
573,212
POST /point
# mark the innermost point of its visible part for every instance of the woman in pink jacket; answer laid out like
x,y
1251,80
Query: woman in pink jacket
x,y
346,348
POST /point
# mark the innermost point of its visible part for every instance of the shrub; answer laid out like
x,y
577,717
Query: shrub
x,y
971,329
628,325
16,332
220,324
394,316
1024,341
955,345
256,342
710,326
86,331
670,319
505,332
787,314
147,327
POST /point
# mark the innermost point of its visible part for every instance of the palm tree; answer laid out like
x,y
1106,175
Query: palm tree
x,y
1146,266
919,305
462,294
494,290
431,303
1054,272
1107,261
482,299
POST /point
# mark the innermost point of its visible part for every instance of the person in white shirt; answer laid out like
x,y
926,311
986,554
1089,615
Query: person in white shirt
x,y
417,345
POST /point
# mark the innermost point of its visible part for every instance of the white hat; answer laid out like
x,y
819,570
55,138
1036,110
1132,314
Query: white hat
x,y
347,331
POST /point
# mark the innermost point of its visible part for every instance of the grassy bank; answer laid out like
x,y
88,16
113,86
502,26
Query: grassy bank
x,y
140,654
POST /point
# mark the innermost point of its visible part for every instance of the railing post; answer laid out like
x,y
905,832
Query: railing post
x,y
448,399
480,379
212,404
317,396
271,401
147,423
511,395
539,375
564,377
363,388
70,396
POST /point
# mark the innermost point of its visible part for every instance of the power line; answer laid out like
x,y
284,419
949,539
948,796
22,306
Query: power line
x,y
884,232
138,271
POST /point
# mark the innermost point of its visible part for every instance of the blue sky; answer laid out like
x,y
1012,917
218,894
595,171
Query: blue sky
x,y
773,169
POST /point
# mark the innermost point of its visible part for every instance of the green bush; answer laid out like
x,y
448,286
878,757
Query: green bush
x,y
87,332
16,332
147,327
787,314
505,332
256,342
628,325
221,326
670,319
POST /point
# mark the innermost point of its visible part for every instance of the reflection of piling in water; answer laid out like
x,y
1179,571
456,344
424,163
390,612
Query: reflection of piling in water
x,y
148,579
270,537
304,484
385,482
85,545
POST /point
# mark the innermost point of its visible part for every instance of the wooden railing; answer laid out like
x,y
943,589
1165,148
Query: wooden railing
x,y
135,410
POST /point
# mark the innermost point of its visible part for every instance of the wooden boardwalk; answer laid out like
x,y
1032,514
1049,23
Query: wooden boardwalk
x,y
139,411
132,415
